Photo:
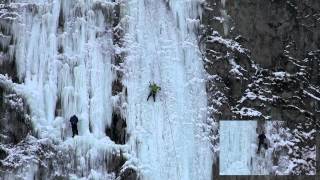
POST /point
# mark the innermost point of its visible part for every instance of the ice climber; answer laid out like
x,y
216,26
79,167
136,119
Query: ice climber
x,y
154,89
262,138
74,121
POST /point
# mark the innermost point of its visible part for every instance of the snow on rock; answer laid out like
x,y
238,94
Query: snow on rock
x,y
311,95
229,43
236,69
287,146
24,152
281,75
281,81
244,111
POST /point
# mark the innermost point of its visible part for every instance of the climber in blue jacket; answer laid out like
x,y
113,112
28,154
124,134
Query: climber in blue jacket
x,y
74,121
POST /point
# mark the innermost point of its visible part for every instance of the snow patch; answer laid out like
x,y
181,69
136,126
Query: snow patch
x,y
244,111
229,43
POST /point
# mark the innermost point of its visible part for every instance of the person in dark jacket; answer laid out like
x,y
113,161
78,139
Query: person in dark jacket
x,y
154,89
262,138
74,121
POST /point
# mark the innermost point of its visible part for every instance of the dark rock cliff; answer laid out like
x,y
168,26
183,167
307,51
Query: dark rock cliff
x,y
263,58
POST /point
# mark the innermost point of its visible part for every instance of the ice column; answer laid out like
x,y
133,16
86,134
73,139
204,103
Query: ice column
x,y
162,47
63,54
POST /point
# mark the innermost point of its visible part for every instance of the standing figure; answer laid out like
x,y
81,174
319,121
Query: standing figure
x,y
154,89
74,121
261,138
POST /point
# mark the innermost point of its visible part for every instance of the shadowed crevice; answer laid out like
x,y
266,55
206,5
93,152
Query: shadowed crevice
x,y
117,130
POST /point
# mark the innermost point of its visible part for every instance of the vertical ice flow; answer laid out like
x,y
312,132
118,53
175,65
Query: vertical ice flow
x,y
162,47
238,149
63,54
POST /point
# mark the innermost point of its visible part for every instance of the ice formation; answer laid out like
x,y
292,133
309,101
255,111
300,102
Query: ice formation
x,y
64,53
238,147
163,49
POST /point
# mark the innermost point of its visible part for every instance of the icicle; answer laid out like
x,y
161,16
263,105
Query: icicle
x,y
63,51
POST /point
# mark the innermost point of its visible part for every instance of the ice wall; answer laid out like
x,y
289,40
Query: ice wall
x,y
63,51
166,135
65,57
63,54
238,149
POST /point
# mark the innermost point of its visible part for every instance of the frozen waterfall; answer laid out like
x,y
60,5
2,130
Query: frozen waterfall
x,y
63,54
238,149
65,50
166,135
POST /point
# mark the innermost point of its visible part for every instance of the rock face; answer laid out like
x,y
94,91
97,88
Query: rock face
x,y
263,58
269,56
117,131
15,123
